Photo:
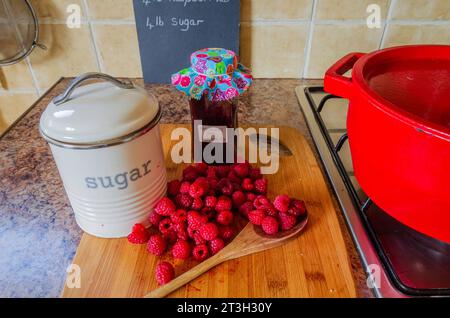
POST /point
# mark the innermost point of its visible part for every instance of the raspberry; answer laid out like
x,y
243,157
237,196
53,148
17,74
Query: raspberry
x,y
216,245
197,204
238,199
181,231
269,225
241,170
297,208
179,216
178,226
200,252
255,173
192,232
165,207
190,174
281,203
209,213
210,201
184,187
199,188
237,187
227,232
195,220
213,185
209,231
173,187
222,171
170,236
201,167
165,226
256,217
138,235
155,218
202,180
223,203
156,245
269,209
196,237
211,172
196,191
224,217
164,273
287,221
183,200
233,177
181,250
261,185
203,219
260,201
225,186
247,184
246,208
250,196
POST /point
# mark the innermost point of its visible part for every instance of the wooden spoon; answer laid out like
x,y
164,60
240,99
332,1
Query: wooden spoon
x,y
250,240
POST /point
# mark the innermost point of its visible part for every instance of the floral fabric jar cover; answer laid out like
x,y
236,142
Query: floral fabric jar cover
x,y
214,72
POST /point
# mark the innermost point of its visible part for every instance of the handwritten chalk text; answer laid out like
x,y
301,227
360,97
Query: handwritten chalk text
x,y
183,24
185,3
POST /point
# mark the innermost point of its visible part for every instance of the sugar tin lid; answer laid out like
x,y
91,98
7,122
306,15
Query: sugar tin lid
x,y
98,114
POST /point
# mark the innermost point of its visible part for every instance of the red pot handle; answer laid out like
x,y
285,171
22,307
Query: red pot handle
x,y
337,84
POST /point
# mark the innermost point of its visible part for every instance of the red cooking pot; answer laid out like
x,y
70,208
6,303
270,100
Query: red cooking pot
x,y
399,131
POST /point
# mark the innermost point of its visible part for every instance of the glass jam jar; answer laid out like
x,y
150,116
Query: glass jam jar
x,y
213,83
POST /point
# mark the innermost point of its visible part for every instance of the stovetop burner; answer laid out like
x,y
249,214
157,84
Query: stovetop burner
x,y
399,260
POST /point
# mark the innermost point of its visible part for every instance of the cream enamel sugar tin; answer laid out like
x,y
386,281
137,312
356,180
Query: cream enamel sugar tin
x,y
106,143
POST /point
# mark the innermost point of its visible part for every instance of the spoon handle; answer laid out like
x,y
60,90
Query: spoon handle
x,y
190,275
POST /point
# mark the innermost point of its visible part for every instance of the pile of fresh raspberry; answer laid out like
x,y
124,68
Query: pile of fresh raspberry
x,y
201,212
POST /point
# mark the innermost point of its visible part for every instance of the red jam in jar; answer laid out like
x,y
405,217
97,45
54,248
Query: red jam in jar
x,y
206,114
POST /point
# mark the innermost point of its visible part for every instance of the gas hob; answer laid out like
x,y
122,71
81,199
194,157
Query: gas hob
x,y
399,261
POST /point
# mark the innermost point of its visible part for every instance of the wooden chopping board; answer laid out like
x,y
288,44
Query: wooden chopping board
x,y
315,264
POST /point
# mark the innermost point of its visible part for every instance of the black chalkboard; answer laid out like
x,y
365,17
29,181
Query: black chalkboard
x,y
170,30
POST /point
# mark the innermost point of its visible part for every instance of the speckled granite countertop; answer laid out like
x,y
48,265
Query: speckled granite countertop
x,y
38,233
